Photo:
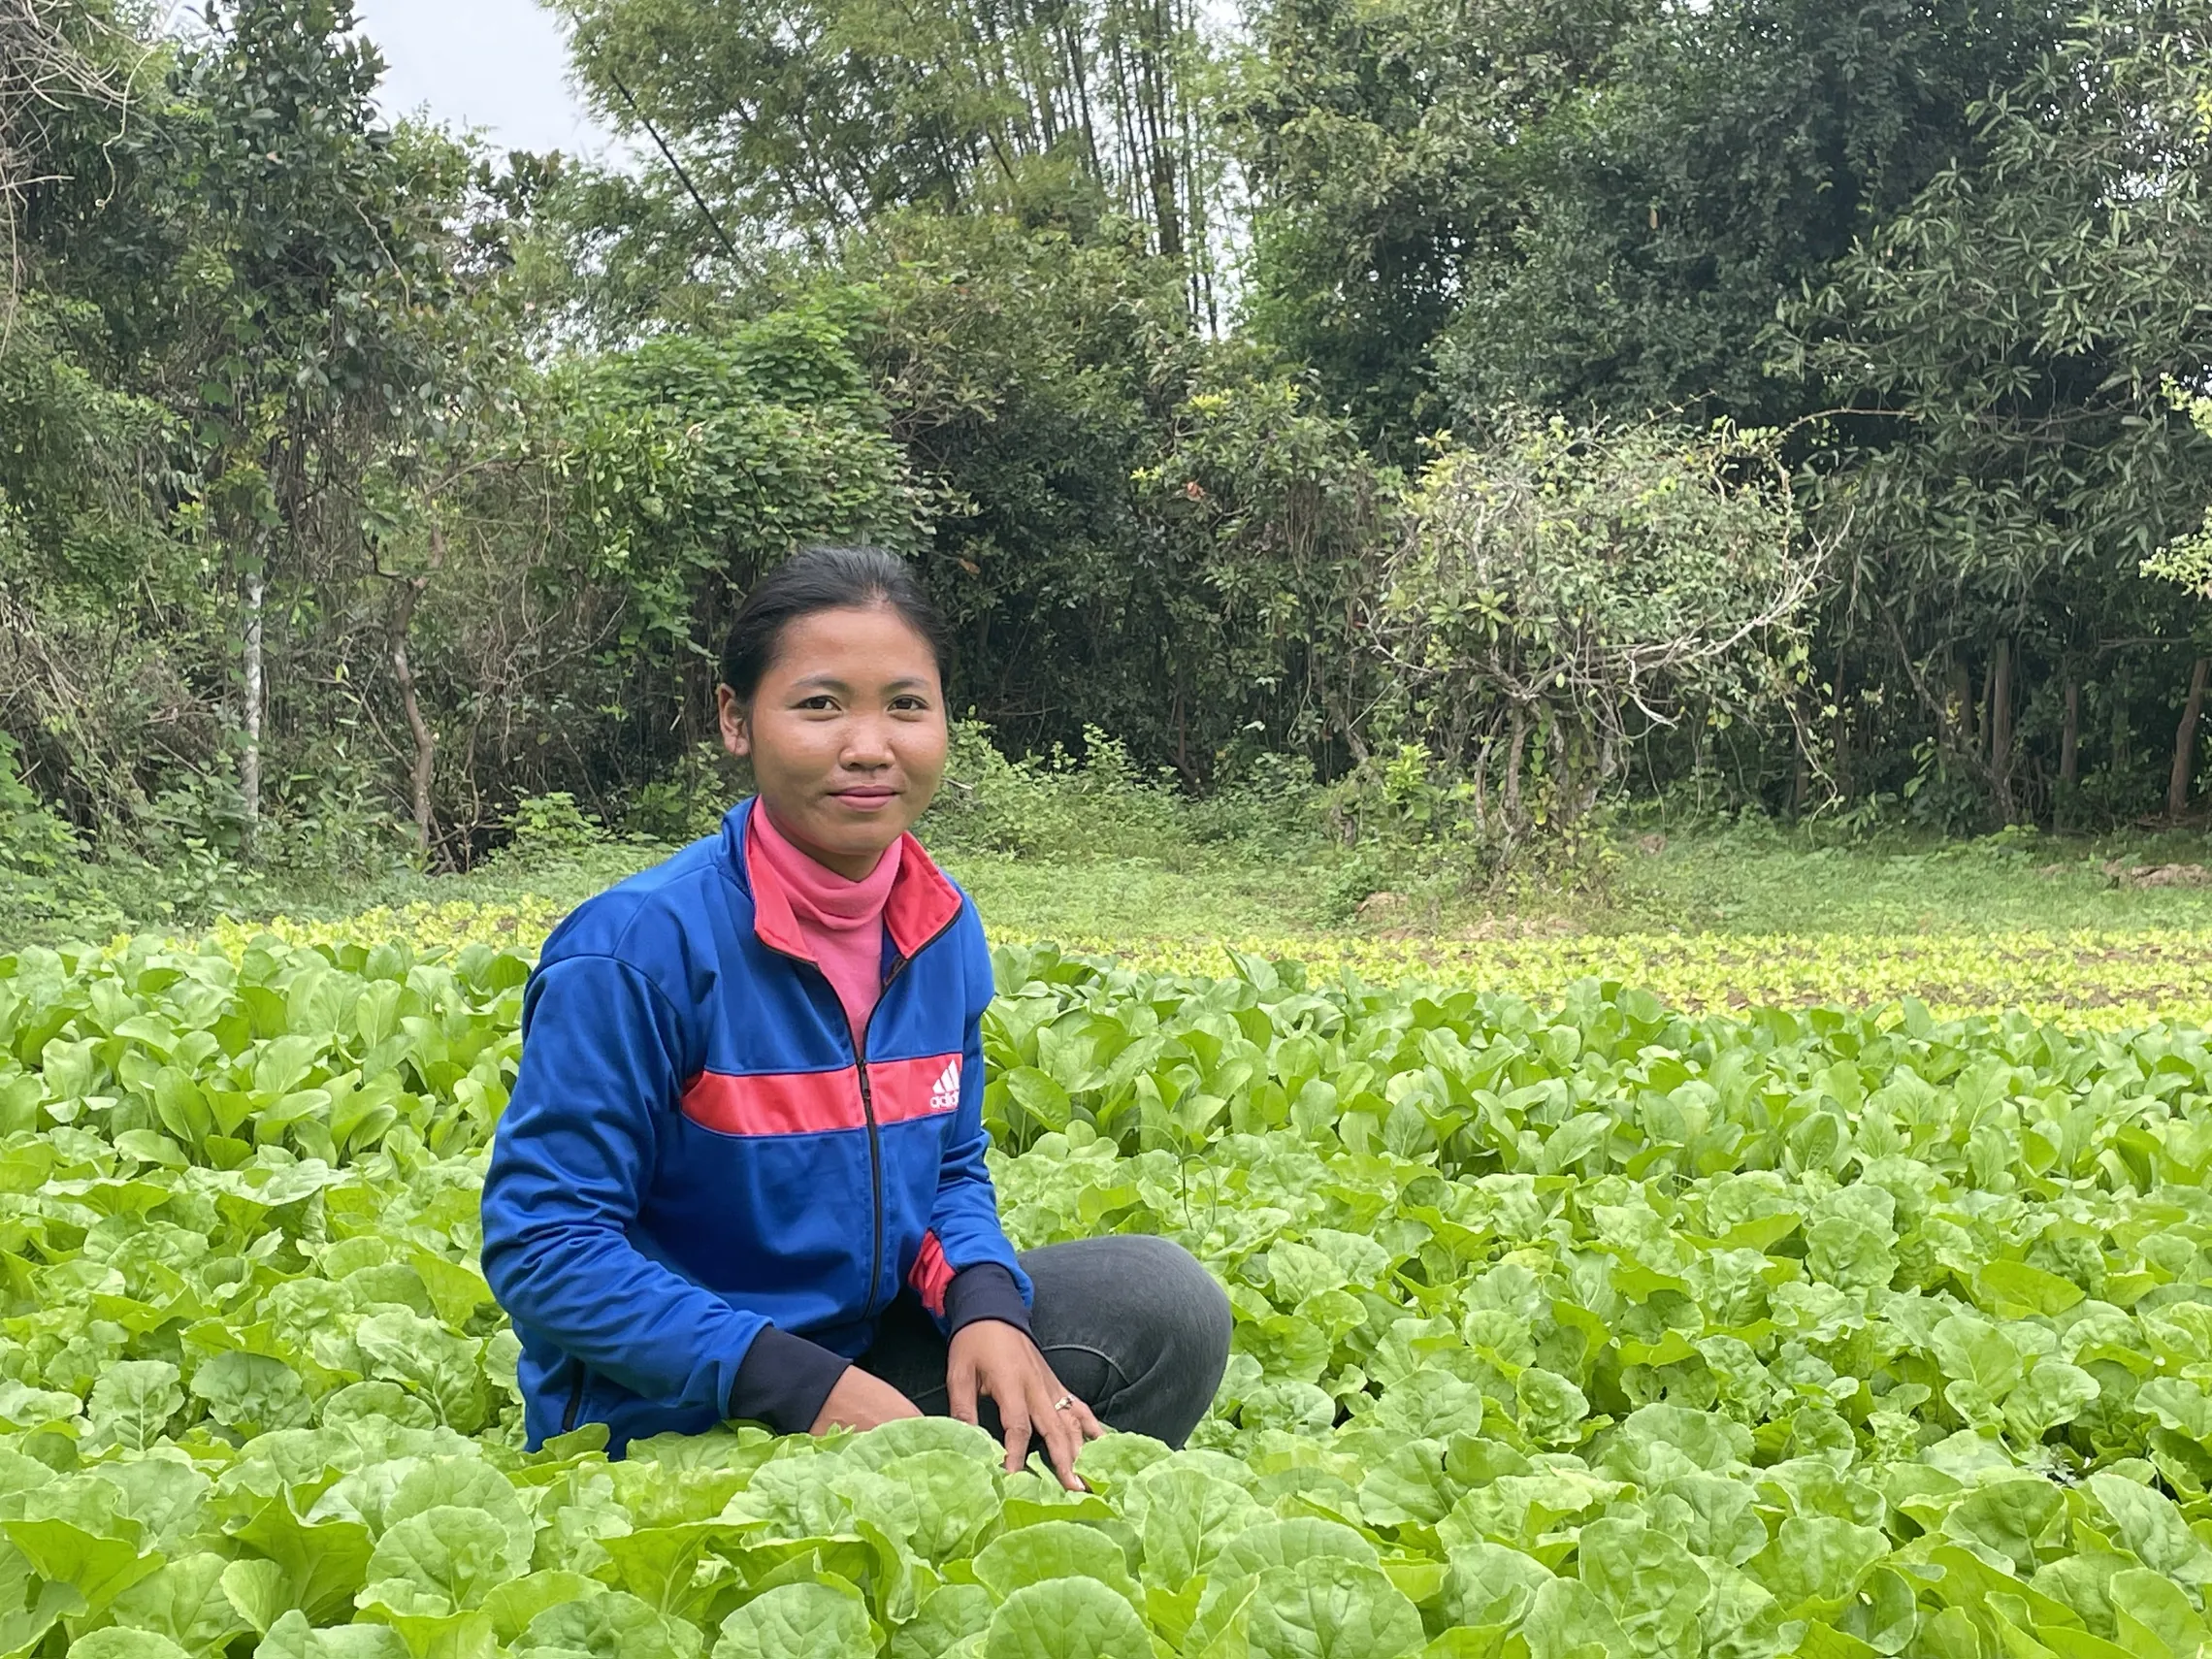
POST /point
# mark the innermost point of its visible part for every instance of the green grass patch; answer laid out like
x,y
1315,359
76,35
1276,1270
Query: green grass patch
x,y
1764,882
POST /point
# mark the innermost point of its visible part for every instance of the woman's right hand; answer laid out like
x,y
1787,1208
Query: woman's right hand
x,y
861,1400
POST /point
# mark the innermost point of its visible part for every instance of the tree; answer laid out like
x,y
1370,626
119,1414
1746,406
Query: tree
x,y
2188,561
815,121
315,241
80,444
1728,156
690,466
2013,331
1140,529
1377,139
1586,208
44,71
1562,593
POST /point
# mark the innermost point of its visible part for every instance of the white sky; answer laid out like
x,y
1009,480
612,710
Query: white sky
x,y
499,65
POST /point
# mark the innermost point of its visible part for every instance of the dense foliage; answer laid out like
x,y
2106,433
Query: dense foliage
x,y
1563,593
358,483
1595,1331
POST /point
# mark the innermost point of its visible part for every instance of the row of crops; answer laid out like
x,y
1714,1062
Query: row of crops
x,y
1576,1330
2100,979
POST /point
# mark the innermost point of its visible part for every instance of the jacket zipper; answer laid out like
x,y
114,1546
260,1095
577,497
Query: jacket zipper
x,y
876,1149
867,1099
875,1139
575,1400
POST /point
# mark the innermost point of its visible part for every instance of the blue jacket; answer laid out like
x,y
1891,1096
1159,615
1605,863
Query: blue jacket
x,y
706,1187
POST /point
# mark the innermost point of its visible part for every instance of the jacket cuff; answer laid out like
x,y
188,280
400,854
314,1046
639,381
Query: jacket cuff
x,y
984,1291
782,1380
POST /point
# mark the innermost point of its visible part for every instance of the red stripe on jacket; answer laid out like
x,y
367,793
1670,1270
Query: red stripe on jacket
x,y
817,1102
786,1103
907,1089
930,1274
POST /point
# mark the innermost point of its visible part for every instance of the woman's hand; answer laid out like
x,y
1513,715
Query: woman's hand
x,y
992,1358
861,1400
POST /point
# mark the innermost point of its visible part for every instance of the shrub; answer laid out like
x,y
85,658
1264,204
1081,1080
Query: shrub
x,y
33,839
1563,592
550,829
1054,804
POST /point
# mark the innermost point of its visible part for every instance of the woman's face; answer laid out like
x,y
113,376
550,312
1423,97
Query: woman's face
x,y
846,734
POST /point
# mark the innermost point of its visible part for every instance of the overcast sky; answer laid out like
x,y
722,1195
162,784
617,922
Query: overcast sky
x,y
501,65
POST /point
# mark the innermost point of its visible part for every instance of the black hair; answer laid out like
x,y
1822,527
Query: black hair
x,y
824,578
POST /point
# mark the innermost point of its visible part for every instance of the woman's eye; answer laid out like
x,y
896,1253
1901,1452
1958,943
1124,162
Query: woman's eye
x,y
909,705
820,702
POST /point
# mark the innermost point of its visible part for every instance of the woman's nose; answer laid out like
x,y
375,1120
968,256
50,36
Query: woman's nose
x,y
867,744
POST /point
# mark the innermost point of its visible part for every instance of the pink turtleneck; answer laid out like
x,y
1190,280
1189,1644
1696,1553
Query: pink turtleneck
x,y
841,921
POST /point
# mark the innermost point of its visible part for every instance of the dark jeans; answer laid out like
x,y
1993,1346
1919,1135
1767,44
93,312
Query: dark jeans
x,y
1131,1323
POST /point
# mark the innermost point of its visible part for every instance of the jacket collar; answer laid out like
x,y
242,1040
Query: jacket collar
x,y
923,903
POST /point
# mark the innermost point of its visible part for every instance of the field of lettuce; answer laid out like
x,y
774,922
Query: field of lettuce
x,y
2105,979
1568,1328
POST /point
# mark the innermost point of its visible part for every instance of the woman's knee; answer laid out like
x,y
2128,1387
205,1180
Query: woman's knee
x,y
1206,1322
1138,1286
1192,1325
1185,1310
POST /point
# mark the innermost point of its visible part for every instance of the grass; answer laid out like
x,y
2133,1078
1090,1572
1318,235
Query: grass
x,y
1137,898
1745,883
1762,882
1711,916
1711,920
1750,880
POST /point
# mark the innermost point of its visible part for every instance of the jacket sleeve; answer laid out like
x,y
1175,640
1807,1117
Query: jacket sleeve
x,y
601,1068
967,1270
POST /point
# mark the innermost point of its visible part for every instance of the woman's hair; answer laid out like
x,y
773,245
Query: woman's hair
x,y
824,578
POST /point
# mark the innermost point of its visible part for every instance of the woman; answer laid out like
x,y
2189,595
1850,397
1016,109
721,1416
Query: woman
x,y
743,1171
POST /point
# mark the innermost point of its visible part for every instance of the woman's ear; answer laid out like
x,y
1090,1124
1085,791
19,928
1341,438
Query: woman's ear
x,y
737,731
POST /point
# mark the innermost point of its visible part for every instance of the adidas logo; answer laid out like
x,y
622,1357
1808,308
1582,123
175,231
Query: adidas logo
x,y
945,1094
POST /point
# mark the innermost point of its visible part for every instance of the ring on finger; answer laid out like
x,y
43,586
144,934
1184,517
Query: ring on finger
x,y
1063,1403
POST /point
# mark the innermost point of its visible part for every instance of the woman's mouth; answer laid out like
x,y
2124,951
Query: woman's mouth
x,y
868,797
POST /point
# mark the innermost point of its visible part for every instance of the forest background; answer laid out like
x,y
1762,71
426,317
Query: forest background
x,y
1441,426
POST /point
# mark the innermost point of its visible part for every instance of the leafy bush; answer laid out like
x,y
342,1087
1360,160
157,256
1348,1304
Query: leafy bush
x,y
688,800
1103,805
1055,804
551,834
1562,593
191,844
548,828
1258,800
1422,827
2188,560
39,856
33,839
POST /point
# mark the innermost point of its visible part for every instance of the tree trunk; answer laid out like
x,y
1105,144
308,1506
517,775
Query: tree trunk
x,y
1483,789
1958,732
1517,739
1181,730
2000,727
424,766
1153,79
1842,736
1980,711
2069,753
253,696
2185,739
1338,707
